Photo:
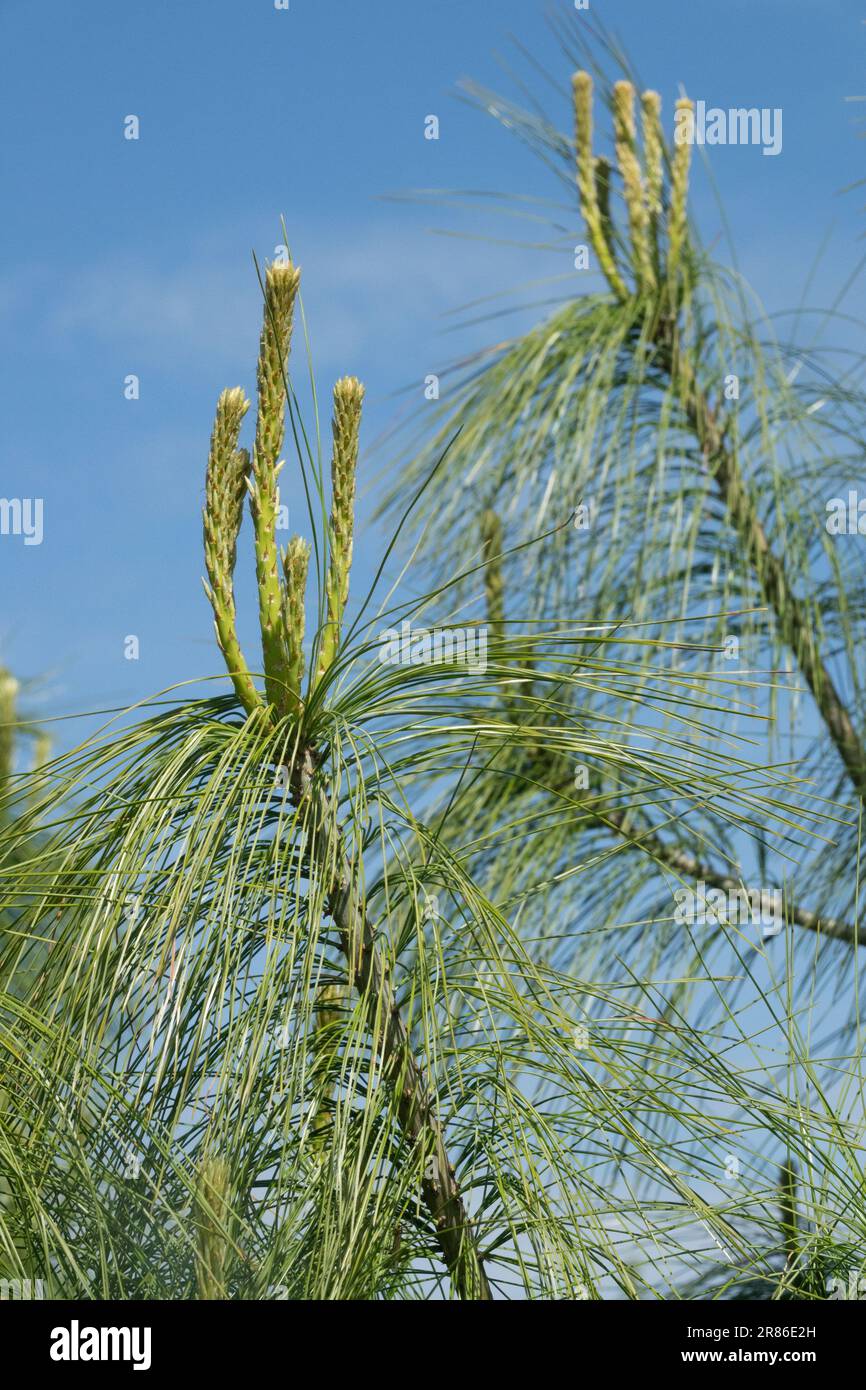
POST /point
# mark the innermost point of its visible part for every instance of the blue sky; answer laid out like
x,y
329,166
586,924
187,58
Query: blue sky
x,y
136,256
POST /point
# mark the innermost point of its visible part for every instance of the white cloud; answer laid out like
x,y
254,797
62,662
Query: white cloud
x,y
368,298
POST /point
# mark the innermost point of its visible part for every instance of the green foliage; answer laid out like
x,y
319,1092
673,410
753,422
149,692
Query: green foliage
x,y
364,980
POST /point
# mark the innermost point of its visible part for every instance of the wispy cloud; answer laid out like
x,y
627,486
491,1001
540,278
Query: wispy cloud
x,y
371,297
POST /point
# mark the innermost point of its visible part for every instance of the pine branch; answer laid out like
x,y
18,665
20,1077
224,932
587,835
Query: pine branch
x,y
416,1109
794,620
213,1211
296,560
633,186
593,213
281,288
793,617
346,425
671,856
225,488
690,867
282,622
622,821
